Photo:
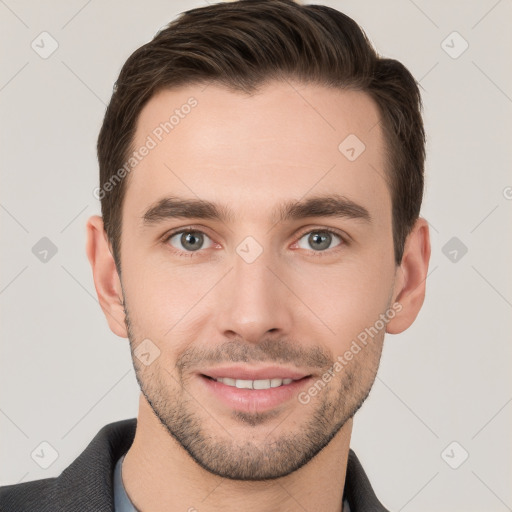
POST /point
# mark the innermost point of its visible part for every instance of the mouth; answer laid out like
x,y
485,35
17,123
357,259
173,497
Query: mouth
x,y
254,384
250,390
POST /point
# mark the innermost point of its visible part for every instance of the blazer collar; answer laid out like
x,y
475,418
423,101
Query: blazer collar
x,y
87,484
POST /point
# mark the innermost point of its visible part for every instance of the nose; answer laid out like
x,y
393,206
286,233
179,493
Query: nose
x,y
253,301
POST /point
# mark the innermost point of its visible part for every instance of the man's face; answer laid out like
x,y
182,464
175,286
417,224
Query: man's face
x,y
252,297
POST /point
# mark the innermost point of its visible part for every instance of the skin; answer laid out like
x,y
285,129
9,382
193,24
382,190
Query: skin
x,y
251,152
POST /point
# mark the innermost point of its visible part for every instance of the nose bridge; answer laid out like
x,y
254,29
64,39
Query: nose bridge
x,y
253,300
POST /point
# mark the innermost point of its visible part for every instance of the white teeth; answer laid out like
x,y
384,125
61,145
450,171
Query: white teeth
x,y
274,383
243,384
254,384
261,384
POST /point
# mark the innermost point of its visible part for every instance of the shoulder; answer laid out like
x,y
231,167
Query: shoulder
x,y
27,496
86,484
358,488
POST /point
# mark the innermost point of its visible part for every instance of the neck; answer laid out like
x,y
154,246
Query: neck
x,y
158,474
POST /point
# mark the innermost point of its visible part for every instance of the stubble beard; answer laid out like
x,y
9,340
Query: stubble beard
x,y
209,444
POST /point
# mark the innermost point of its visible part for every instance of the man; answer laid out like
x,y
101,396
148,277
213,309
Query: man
x,y
261,178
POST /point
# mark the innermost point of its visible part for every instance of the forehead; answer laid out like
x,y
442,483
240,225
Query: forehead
x,y
251,152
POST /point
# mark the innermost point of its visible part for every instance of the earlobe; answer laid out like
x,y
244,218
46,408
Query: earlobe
x,y
106,278
410,283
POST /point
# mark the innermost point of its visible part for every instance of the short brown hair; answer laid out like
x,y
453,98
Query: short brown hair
x,y
246,43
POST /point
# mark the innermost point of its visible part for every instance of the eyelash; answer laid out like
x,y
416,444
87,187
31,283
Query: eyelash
x,y
190,229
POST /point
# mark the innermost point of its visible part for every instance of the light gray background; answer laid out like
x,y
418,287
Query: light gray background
x,y
63,374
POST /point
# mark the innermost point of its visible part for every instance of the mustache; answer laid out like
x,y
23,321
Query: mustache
x,y
271,351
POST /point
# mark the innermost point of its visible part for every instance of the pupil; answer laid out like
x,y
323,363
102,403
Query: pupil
x,y
320,241
191,240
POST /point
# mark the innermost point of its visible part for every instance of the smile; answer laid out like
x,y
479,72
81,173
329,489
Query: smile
x,y
254,384
250,390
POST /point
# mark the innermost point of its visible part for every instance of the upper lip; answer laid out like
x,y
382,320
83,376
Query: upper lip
x,y
246,373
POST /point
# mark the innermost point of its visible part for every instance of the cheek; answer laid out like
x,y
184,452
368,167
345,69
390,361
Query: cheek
x,y
162,299
347,299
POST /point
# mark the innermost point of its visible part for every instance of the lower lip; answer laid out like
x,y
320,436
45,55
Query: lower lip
x,y
254,400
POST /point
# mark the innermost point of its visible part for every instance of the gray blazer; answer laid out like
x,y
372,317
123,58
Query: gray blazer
x,y
87,484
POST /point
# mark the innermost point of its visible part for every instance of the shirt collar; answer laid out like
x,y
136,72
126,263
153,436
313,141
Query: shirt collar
x,y
122,502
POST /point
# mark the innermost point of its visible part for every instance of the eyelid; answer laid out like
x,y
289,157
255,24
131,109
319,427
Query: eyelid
x,y
344,237
185,229
327,252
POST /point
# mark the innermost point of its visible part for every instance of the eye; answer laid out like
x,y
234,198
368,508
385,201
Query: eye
x,y
319,240
189,240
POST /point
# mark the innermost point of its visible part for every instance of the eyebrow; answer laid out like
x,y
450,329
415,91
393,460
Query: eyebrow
x,y
336,206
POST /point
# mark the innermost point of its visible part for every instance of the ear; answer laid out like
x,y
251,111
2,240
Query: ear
x,y
106,278
411,276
